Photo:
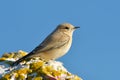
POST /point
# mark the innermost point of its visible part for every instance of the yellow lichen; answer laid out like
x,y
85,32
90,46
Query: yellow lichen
x,y
35,66
38,78
29,78
8,55
21,77
77,78
20,74
37,70
23,71
47,70
2,59
19,54
22,52
6,77
56,73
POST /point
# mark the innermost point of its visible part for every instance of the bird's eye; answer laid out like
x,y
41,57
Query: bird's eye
x,y
66,27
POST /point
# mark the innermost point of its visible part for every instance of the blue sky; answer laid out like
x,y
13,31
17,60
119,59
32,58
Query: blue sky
x,y
95,52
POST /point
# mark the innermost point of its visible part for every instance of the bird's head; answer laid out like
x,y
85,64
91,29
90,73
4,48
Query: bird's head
x,y
67,28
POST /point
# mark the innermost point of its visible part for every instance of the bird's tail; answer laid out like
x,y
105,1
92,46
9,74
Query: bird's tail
x,y
21,59
18,61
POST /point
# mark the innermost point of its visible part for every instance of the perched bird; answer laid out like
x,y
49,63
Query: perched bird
x,y
55,45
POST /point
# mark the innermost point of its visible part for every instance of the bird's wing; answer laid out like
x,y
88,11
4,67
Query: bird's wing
x,y
52,42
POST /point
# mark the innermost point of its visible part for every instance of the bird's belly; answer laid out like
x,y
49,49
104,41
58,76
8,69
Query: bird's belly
x,y
54,53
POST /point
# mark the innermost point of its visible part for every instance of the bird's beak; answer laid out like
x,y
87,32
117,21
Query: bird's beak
x,y
76,27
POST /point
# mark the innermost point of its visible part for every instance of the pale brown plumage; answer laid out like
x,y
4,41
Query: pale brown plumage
x,y
55,45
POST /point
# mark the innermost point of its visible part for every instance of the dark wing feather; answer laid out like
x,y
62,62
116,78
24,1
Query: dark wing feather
x,y
51,42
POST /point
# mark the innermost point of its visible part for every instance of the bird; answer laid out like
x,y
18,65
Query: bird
x,y
55,44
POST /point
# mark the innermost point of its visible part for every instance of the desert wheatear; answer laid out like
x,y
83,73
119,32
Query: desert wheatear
x,y
55,45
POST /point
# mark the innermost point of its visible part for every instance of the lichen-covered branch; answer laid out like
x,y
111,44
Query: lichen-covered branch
x,y
32,69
